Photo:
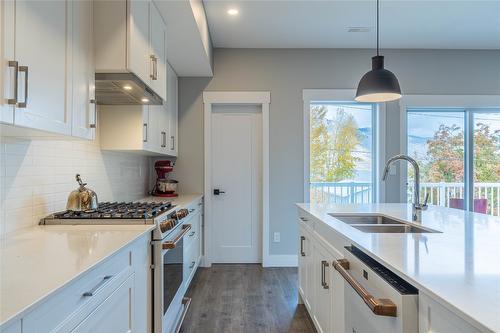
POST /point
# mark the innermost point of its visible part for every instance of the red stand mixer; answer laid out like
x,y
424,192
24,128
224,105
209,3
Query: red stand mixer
x,y
164,186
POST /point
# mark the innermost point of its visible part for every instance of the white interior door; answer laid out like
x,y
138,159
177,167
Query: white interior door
x,y
236,164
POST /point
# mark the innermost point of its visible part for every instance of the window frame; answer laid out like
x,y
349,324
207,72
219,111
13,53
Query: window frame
x,y
338,96
470,105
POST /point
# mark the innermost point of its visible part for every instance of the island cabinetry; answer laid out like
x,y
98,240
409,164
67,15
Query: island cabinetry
x,y
434,317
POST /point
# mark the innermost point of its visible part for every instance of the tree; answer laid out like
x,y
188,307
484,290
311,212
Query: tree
x,y
332,145
445,151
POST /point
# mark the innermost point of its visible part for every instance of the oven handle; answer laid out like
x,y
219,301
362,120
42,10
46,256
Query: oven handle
x,y
168,245
379,306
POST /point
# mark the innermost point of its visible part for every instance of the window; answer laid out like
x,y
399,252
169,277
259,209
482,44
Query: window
x,y
341,152
458,150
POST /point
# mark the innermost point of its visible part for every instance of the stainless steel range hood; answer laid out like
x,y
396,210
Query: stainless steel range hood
x,y
123,89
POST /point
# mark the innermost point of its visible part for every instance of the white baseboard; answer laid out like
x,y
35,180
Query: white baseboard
x,y
281,260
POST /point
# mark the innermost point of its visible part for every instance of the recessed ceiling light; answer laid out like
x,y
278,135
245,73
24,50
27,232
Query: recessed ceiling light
x,y
127,87
233,11
144,100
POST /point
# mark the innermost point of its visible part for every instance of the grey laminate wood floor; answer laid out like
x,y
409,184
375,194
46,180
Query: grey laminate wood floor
x,y
245,298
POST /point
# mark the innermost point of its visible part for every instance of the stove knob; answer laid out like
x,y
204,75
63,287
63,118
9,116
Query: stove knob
x,y
167,225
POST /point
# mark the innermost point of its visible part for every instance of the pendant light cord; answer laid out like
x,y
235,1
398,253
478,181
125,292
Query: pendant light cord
x,y
377,24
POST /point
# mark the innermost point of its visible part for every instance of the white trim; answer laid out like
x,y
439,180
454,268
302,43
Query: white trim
x,y
210,98
282,260
346,95
437,101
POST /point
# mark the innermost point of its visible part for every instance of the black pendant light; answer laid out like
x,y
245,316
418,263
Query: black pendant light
x,y
379,84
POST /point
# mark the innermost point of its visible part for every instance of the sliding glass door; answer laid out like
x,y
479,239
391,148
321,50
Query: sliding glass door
x,y
458,151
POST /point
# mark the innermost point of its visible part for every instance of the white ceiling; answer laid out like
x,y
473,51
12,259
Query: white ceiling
x,y
426,24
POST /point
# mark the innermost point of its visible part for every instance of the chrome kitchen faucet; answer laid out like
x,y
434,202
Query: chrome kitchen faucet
x,y
417,207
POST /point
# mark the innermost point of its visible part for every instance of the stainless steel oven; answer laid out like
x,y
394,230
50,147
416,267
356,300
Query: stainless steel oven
x,y
168,280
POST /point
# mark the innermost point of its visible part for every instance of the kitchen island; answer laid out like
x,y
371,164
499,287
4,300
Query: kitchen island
x,y
456,268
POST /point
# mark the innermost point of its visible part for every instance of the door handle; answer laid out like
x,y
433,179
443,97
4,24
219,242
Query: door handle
x,y
14,64
218,192
324,264
379,306
25,103
302,239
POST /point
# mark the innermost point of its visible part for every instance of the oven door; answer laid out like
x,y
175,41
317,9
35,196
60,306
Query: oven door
x,y
168,280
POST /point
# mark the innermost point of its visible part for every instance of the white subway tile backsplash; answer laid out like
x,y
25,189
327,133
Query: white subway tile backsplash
x,y
36,176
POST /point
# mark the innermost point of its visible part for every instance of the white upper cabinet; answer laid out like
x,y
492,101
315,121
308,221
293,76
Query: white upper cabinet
x,y
41,50
158,52
47,78
130,36
172,107
82,74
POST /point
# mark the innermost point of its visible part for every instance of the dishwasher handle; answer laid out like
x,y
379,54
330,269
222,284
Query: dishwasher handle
x,y
379,306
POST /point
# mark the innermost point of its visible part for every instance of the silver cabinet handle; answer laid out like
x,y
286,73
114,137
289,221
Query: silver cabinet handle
x,y
163,139
191,210
192,264
302,239
192,234
98,287
15,65
324,264
304,219
25,103
156,68
94,124
173,142
152,69
145,132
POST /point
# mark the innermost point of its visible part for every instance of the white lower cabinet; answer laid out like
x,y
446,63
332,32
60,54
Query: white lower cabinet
x,y
114,296
435,318
192,243
305,266
323,289
114,314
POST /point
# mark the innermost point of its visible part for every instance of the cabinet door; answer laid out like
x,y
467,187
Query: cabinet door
x,y
172,110
305,260
114,314
158,80
322,289
139,60
7,73
83,103
41,48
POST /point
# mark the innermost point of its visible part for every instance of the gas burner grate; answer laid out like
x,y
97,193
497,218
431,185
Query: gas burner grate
x,y
119,210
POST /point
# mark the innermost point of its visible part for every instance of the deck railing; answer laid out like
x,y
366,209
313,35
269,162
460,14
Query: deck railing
x,y
439,193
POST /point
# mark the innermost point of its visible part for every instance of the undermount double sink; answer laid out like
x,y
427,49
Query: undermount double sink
x,y
379,224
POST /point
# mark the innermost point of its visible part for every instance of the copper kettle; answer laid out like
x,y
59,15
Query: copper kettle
x,y
82,199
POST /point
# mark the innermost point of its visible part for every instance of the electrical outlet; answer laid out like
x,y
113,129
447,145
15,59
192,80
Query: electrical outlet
x,y
277,237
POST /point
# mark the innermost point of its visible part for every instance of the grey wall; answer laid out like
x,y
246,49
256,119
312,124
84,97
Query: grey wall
x,y
285,72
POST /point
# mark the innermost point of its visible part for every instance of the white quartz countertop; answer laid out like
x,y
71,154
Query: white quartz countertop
x,y
36,262
459,267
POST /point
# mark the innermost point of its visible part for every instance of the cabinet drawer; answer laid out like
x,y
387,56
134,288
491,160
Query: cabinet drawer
x,y
70,305
194,234
191,256
114,314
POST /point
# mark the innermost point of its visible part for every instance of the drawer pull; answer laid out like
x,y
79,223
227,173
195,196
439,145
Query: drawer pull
x,y
192,264
302,239
191,210
379,306
304,219
324,264
192,233
98,287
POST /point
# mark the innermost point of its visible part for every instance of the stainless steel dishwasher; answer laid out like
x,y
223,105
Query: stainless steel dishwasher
x,y
376,300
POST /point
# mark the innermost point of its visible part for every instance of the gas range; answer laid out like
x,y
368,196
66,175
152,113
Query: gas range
x,y
165,215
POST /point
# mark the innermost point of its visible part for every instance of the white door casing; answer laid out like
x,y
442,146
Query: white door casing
x,y
262,100
236,170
